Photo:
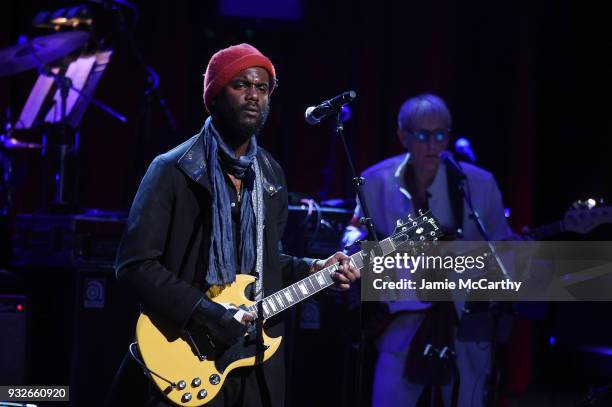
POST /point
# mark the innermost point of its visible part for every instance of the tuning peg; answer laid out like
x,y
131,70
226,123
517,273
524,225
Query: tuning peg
x,y
420,212
588,203
399,223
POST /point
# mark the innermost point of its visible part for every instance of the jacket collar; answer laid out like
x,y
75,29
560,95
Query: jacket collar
x,y
193,162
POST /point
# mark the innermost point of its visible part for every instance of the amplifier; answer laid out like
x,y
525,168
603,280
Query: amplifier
x,y
92,238
66,240
80,322
13,322
313,230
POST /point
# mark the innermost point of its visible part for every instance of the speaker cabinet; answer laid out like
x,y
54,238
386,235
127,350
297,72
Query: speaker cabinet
x,y
104,325
13,325
80,323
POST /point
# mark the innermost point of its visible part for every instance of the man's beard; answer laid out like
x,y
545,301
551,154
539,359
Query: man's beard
x,y
235,131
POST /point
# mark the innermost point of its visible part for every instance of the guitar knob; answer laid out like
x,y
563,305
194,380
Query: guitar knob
x,y
214,379
196,382
202,393
186,397
181,385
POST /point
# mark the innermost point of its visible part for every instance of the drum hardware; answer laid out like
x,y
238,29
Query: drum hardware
x,y
57,116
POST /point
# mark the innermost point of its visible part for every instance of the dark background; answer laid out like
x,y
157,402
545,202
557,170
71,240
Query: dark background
x,y
529,83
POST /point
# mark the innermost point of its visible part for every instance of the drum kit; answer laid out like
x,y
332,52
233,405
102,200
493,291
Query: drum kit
x,y
44,54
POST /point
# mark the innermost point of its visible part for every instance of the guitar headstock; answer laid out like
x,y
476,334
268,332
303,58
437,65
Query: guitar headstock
x,y
422,228
585,219
587,203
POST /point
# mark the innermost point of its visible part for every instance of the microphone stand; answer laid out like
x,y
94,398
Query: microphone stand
x,y
152,92
494,308
367,221
357,180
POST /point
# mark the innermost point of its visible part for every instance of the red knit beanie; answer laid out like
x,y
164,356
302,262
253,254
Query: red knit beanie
x,y
227,63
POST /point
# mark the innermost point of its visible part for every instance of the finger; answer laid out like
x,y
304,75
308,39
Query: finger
x,y
342,287
341,278
339,257
248,316
333,260
351,276
353,270
346,272
349,264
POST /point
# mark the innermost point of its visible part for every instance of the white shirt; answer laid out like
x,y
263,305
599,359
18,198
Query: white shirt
x,y
388,200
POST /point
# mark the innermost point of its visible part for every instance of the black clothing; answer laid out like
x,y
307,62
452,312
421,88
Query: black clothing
x,y
164,251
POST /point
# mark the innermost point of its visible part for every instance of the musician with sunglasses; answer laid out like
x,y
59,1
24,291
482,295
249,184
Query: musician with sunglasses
x,y
393,189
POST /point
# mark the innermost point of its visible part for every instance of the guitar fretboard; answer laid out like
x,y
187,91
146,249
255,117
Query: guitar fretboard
x,y
316,282
545,231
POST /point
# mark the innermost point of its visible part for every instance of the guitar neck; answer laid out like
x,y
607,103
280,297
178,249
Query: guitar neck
x,y
314,283
545,231
577,220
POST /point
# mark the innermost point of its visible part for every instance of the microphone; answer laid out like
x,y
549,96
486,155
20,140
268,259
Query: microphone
x,y
464,149
454,166
314,114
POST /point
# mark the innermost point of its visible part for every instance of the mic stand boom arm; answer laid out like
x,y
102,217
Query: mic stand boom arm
x,y
358,181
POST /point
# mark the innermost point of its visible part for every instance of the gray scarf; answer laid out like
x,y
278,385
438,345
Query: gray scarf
x,y
222,267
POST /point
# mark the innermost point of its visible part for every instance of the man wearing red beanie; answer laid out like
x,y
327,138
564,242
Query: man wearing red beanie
x,y
207,210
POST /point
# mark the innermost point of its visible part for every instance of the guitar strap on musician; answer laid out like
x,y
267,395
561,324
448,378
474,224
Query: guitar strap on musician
x,y
255,333
456,200
438,327
437,330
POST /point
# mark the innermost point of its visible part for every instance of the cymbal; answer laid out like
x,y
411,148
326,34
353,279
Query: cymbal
x,y
48,48
13,143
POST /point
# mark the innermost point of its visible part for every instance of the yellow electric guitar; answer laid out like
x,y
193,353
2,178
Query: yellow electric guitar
x,y
189,373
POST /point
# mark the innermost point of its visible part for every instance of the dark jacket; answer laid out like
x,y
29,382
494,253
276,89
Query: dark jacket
x,y
164,252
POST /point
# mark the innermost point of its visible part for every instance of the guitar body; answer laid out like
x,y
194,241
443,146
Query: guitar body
x,y
170,353
191,371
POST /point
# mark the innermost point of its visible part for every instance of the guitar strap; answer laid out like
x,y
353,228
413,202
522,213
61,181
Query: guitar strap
x,y
264,391
456,201
258,207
